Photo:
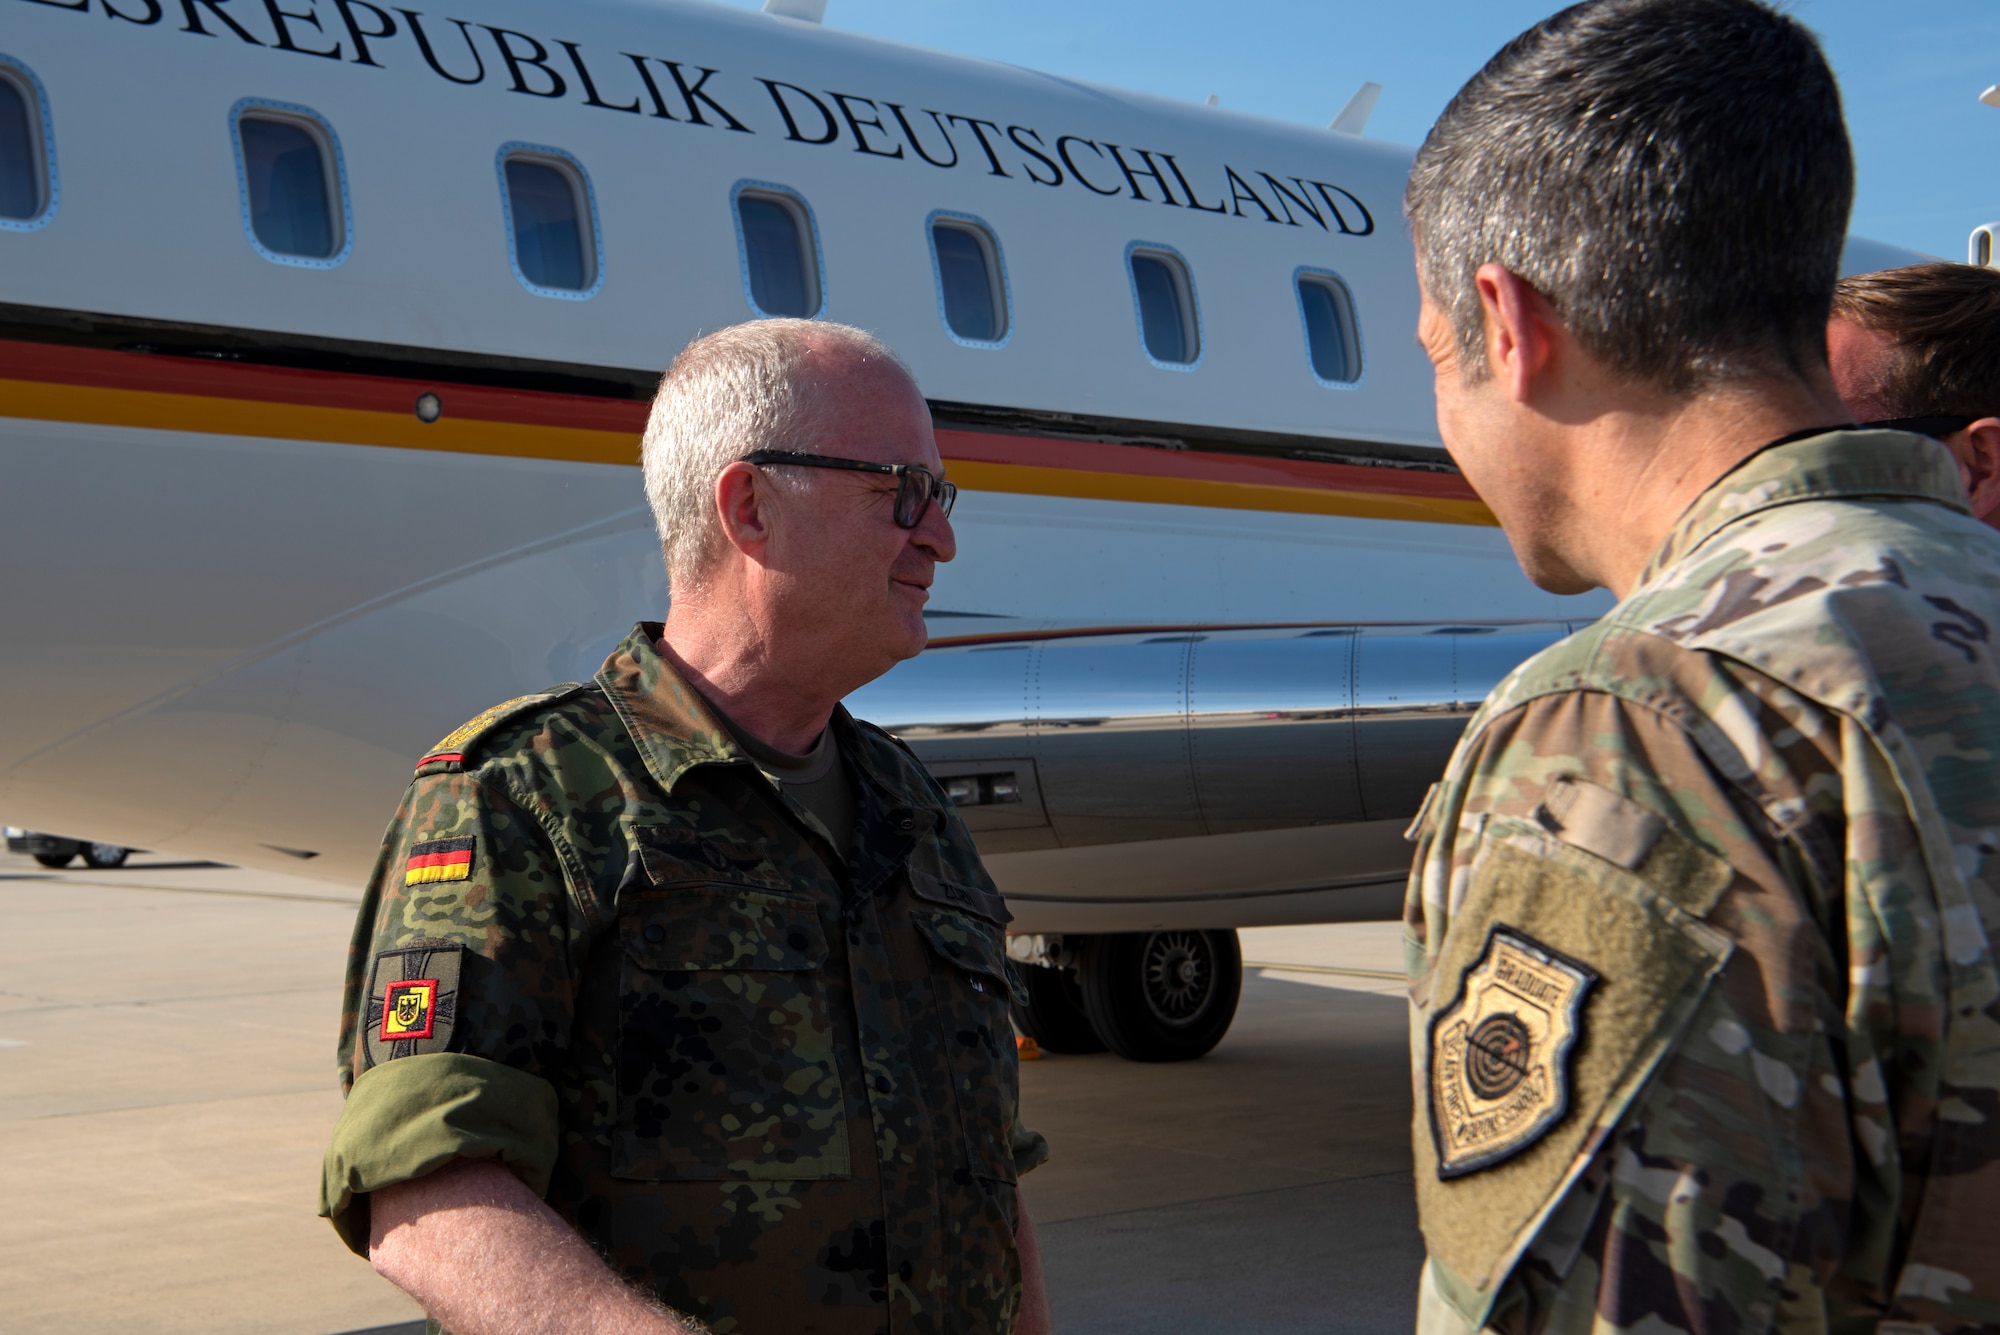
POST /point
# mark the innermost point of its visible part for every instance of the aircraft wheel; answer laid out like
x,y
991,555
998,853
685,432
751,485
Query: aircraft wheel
x,y
1054,1014
1162,996
54,859
104,856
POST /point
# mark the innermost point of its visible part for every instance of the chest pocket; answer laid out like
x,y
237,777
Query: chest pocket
x,y
726,1064
974,987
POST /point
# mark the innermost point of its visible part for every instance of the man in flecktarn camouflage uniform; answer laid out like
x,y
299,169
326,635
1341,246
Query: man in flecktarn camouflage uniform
x,y
1701,929
679,996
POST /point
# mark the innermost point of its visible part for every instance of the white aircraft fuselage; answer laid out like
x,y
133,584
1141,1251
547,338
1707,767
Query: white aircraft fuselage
x,y
276,523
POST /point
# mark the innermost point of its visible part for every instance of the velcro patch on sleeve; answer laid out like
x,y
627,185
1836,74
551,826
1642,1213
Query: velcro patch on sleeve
x,y
439,860
412,1000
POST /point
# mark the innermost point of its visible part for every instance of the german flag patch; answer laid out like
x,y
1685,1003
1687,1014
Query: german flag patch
x,y
438,860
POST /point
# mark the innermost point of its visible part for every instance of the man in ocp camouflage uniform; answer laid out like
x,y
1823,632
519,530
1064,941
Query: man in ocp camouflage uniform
x,y
679,996
1701,930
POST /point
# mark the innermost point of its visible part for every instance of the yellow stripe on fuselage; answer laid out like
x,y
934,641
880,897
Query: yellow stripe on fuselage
x,y
293,421
1023,479
208,414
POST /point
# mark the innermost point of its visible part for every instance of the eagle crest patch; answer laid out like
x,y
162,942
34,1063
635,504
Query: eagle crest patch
x,y
412,1000
1499,1055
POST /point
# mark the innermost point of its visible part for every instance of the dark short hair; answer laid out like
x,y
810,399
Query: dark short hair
x,y
1673,175
1945,322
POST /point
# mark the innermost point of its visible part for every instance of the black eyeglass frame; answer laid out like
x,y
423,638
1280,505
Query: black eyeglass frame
x,y
917,487
1937,426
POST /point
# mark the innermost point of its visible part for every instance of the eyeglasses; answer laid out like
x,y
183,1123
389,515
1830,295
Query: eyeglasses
x,y
1938,427
916,486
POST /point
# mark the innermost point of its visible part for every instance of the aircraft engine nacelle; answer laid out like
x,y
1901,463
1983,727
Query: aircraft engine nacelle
x,y
1212,777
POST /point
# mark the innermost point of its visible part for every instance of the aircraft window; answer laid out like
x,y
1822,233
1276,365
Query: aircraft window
x,y
1164,296
780,252
1333,339
551,214
294,189
972,285
27,157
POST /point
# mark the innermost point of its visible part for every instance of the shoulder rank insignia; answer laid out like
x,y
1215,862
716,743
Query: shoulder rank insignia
x,y
412,1000
449,755
1499,1056
439,860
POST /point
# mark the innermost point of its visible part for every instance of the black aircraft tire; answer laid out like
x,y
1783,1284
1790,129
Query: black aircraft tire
x,y
1054,1015
53,860
1162,996
105,856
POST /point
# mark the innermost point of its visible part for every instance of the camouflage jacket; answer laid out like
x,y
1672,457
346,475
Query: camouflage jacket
x,y
1701,932
771,1081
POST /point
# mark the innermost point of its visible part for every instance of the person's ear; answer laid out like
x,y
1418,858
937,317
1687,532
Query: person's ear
x,y
743,499
1978,449
1520,329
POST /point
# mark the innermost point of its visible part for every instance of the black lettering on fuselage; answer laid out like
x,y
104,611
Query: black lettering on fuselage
x,y
590,97
1194,201
1240,190
153,14
1014,132
831,126
1286,199
1062,151
979,134
918,144
285,42
861,124
214,8
518,63
693,98
385,27
1151,169
416,22
1367,219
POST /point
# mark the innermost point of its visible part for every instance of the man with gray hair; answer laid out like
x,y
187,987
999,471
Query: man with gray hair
x,y
1706,1019
680,996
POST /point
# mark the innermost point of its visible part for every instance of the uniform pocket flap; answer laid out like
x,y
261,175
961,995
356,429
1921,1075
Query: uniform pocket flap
x,y
692,928
957,895
978,948
674,857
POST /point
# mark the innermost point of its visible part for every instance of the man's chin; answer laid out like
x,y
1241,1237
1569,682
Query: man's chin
x,y
1556,577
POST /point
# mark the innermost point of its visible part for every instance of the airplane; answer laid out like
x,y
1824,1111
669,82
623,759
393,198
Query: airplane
x,y
327,331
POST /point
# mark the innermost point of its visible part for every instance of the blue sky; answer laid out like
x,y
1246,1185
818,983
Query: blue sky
x,y
1911,72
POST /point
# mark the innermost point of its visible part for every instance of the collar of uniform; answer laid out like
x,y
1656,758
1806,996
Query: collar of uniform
x,y
670,721
676,729
1846,465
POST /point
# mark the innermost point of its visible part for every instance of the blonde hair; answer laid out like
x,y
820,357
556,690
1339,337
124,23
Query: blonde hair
x,y
728,394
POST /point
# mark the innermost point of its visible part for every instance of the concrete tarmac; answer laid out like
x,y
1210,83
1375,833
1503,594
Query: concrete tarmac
x,y
167,1085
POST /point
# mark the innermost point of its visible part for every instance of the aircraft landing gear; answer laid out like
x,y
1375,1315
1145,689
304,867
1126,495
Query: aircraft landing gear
x,y
104,856
1054,1014
1165,996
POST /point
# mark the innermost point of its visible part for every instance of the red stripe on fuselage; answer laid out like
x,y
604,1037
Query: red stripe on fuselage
x,y
163,374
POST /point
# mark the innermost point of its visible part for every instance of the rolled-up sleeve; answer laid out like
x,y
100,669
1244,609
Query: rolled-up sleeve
x,y
1031,1148
469,877
406,1118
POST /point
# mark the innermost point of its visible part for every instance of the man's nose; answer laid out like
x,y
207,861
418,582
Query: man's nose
x,y
933,534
